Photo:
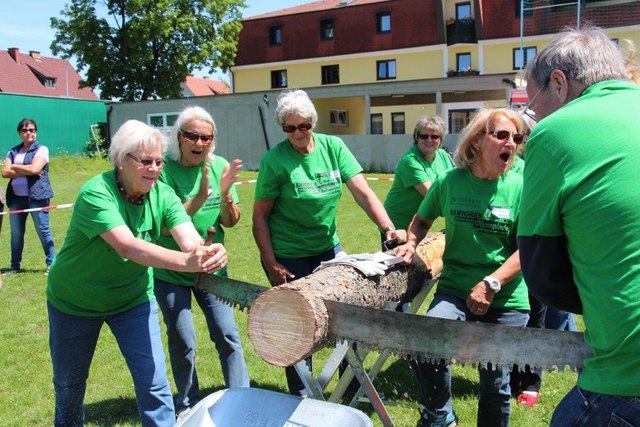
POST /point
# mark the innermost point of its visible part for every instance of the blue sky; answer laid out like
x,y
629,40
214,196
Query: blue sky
x,y
25,23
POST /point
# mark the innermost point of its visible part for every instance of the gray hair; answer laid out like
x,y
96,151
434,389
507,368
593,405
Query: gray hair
x,y
295,102
586,55
480,124
132,136
188,114
433,123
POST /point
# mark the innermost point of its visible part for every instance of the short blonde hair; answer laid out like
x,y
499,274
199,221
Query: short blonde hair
x,y
188,114
132,136
480,123
433,123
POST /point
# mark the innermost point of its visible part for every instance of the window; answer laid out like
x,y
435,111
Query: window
x,y
463,60
330,74
463,10
278,79
397,123
275,35
376,124
383,22
49,82
162,121
339,118
458,119
386,69
518,61
326,29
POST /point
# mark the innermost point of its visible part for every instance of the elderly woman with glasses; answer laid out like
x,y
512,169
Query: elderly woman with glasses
x,y
27,167
416,170
481,279
103,275
297,194
204,184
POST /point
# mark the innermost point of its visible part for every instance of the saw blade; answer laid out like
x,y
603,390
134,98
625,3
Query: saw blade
x,y
239,294
432,339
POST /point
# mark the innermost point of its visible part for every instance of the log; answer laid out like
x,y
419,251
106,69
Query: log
x,y
290,322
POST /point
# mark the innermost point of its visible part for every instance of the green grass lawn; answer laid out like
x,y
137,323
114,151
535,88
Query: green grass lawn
x,y
26,390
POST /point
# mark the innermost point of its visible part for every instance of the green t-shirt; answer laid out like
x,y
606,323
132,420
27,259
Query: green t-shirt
x,y
185,181
583,168
305,189
403,199
481,218
518,165
88,278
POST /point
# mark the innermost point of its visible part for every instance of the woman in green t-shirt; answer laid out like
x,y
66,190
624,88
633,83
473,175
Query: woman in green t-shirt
x,y
102,275
481,279
416,170
204,184
297,194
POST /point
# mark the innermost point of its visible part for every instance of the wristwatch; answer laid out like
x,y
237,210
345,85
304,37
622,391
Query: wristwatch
x,y
494,284
387,229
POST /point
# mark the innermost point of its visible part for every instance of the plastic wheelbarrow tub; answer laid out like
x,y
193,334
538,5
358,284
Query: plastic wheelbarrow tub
x,y
255,407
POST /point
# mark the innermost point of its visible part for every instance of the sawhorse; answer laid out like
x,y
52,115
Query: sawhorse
x,y
346,350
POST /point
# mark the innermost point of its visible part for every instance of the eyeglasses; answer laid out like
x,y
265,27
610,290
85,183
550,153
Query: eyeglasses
x,y
504,135
304,127
427,136
30,130
148,162
194,137
533,98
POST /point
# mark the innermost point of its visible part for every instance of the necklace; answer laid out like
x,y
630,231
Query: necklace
x,y
136,200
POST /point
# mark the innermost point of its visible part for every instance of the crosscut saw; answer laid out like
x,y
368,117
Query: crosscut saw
x,y
427,338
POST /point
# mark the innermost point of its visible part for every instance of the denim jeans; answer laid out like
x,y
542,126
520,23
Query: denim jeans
x,y
72,341
584,408
560,320
302,267
494,407
18,224
175,303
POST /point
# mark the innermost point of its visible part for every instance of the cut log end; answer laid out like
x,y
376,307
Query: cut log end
x,y
284,316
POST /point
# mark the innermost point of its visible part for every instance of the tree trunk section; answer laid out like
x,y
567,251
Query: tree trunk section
x,y
290,322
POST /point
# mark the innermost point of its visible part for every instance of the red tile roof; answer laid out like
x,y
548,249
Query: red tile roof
x,y
24,76
314,7
199,86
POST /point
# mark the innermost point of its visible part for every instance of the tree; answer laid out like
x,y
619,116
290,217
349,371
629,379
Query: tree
x,y
152,45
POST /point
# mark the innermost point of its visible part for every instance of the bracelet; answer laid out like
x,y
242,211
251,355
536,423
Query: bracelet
x,y
389,228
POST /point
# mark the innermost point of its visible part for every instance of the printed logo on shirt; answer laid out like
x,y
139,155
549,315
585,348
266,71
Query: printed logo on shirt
x,y
494,219
323,183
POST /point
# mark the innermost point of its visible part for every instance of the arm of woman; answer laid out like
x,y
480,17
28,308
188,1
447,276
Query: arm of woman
x,y
199,259
192,205
418,229
229,211
13,170
277,273
423,187
369,202
481,295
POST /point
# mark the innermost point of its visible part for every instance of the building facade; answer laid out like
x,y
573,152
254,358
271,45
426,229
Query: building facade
x,y
449,47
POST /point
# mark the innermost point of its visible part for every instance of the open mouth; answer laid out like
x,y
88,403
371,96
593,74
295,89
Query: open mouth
x,y
505,157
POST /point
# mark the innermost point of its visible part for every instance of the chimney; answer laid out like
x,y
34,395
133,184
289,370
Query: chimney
x,y
14,52
35,55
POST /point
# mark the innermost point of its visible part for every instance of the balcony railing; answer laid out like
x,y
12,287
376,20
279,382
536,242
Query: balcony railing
x,y
461,73
461,31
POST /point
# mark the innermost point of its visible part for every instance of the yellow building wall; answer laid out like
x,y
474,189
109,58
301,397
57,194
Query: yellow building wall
x,y
411,115
409,66
453,51
355,110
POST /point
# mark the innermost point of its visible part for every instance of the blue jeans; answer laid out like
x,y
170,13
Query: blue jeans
x,y
18,224
302,267
584,408
560,320
494,406
175,303
72,341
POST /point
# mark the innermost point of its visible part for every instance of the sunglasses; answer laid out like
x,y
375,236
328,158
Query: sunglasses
x,y
148,162
31,130
194,137
304,127
504,135
427,136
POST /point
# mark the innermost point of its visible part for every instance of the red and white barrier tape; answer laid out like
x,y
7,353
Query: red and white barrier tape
x,y
44,208
248,181
379,179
